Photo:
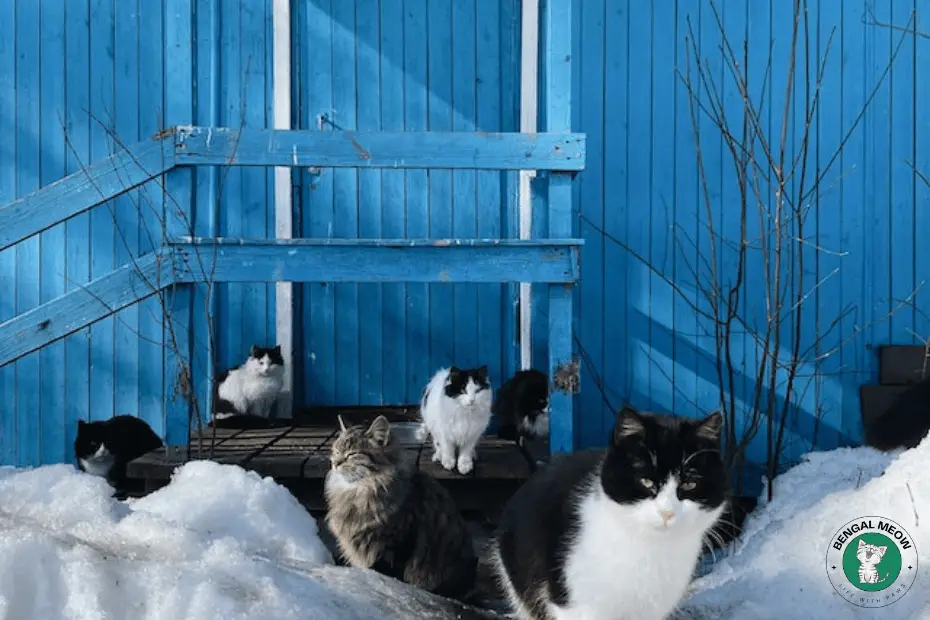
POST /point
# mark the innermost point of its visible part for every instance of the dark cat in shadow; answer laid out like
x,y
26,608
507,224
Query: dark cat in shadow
x,y
104,448
905,423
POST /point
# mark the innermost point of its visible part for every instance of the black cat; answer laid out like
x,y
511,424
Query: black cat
x,y
104,448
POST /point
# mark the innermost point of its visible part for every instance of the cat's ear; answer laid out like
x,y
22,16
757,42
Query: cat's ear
x,y
277,349
253,352
81,424
629,424
483,373
882,549
709,428
342,423
454,372
380,431
861,543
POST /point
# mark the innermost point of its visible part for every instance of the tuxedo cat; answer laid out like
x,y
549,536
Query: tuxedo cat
x,y
104,448
243,396
456,410
522,406
615,533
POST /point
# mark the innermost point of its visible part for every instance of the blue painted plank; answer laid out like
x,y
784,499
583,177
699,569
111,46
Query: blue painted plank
x,y
257,195
439,148
440,114
494,346
393,208
52,413
29,149
80,307
151,120
77,229
508,67
233,67
379,260
8,257
370,205
592,61
903,252
850,170
416,45
464,209
539,196
615,372
127,208
320,339
345,202
206,205
179,220
921,189
557,66
271,294
97,182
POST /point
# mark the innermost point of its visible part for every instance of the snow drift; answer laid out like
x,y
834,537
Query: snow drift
x,y
778,570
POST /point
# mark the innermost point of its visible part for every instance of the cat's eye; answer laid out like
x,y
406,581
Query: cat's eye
x,y
647,483
688,486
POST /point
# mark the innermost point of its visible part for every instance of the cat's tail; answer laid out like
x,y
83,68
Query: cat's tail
x,y
422,433
883,578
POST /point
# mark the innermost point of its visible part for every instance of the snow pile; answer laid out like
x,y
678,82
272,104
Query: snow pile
x,y
218,542
778,570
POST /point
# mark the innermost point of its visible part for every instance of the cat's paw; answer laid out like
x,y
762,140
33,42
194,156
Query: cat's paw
x,y
466,464
448,462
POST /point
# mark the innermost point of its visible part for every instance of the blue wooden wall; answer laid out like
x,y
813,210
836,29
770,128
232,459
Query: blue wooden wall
x,y
102,69
641,208
416,65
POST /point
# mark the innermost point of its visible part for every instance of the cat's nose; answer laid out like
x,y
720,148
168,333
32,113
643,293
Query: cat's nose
x,y
667,516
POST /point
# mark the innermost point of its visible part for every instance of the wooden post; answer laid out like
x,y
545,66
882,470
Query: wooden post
x,y
556,45
179,110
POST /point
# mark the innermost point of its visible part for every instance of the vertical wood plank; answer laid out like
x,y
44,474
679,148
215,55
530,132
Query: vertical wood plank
x,y
557,66
52,412
8,125
393,208
179,103
592,61
464,210
127,209
345,200
921,131
439,92
419,319
28,154
371,219
152,200
317,192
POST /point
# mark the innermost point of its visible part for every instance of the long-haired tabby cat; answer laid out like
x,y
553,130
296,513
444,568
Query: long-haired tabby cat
x,y
615,533
456,410
390,517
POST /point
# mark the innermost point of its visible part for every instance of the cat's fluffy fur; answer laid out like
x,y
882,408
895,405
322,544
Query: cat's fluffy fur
x,y
394,519
905,423
104,448
614,534
522,406
249,391
456,410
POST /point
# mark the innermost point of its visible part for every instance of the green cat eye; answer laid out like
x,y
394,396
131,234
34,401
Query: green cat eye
x,y
688,486
646,482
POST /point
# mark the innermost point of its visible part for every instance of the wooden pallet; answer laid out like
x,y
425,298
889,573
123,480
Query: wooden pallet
x,y
298,458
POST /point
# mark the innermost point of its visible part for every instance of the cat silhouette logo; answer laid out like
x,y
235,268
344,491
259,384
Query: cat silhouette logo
x,y
872,562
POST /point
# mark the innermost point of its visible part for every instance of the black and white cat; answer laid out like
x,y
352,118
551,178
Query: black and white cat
x,y
614,534
244,396
906,421
456,410
104,448
522,406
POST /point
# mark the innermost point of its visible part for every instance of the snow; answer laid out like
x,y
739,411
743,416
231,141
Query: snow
x,y
778,570
221,542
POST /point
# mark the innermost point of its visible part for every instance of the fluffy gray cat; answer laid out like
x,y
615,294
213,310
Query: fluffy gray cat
x,y
392,518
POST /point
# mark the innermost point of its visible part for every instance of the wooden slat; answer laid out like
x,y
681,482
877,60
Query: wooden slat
x,y
394,150
376,260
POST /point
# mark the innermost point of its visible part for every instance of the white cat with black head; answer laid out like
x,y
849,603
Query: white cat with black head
x,y
614,534
456,410
251,389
